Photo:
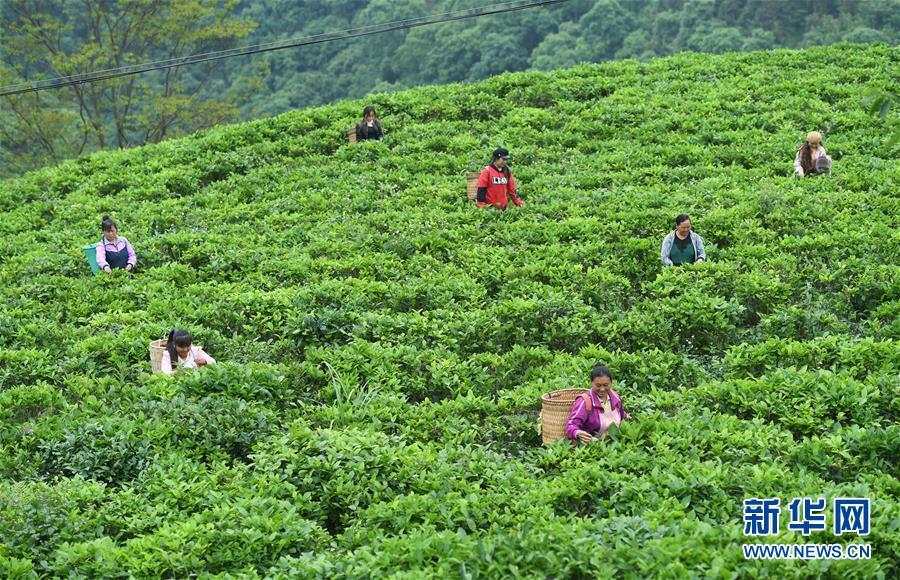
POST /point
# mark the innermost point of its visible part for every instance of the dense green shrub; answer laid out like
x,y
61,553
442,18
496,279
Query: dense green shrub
x,y
805,403
246,536
211,427
105,452
22,367
35,517
860,358
382,346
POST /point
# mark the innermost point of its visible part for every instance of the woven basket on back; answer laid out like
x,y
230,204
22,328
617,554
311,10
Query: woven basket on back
x,y
351,134
555,409
157,348
472,184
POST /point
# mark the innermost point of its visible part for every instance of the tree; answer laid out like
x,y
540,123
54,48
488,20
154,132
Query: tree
x,y
712,38
560,49
56,38
862,34
35,127
759,39
605,27
636,45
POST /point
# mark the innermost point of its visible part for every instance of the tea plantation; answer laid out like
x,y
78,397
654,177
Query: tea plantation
x,y
382,345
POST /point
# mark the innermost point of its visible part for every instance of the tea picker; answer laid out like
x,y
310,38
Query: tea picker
x,y
579,415
177,347
812,159
368,128
496,185
682,245
112,251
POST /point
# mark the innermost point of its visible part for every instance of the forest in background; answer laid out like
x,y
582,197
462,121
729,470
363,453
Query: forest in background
x,y
43,39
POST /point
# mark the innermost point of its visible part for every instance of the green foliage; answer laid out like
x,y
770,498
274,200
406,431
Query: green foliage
x,y
104,452
804,403
382,345
37,517
243,537
59,39
45,127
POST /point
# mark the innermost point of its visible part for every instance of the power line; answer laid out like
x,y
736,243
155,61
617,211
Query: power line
x,y
55,83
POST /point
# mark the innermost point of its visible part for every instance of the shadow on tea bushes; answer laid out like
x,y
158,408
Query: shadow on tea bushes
x,y
211,428
110,451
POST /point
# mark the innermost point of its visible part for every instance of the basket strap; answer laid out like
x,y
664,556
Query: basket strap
x,y
588,401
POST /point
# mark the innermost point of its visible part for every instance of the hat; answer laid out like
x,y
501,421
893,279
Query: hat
x,y
814,137
500,152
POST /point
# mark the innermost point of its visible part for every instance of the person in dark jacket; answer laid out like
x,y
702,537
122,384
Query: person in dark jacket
x,y
496,184
370,126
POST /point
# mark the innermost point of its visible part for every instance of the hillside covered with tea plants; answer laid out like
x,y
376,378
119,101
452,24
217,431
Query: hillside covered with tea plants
x,y
382,345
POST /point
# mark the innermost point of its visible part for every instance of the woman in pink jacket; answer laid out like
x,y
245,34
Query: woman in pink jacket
x,y
181,350
594,412
114,251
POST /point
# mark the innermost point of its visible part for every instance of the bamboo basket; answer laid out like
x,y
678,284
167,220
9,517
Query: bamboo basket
x,y
351,134
157,348
472,184
555,409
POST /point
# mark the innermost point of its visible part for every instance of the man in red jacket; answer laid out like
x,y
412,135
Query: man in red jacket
x,y
496,184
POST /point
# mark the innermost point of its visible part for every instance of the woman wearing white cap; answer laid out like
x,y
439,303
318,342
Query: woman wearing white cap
x,y
811,157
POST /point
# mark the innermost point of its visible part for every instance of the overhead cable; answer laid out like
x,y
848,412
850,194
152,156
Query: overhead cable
x,y
55,83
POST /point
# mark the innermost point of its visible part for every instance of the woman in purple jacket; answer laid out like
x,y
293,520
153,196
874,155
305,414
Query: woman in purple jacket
x,y
596,410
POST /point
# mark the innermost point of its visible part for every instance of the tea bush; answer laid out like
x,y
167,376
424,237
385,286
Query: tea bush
x,y
382,345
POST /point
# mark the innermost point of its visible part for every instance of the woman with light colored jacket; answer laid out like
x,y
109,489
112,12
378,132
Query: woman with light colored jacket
x,y
114,251
182,353
682,246
811,157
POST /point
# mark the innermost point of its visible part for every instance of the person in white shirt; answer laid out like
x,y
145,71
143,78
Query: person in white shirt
x,y
180,348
